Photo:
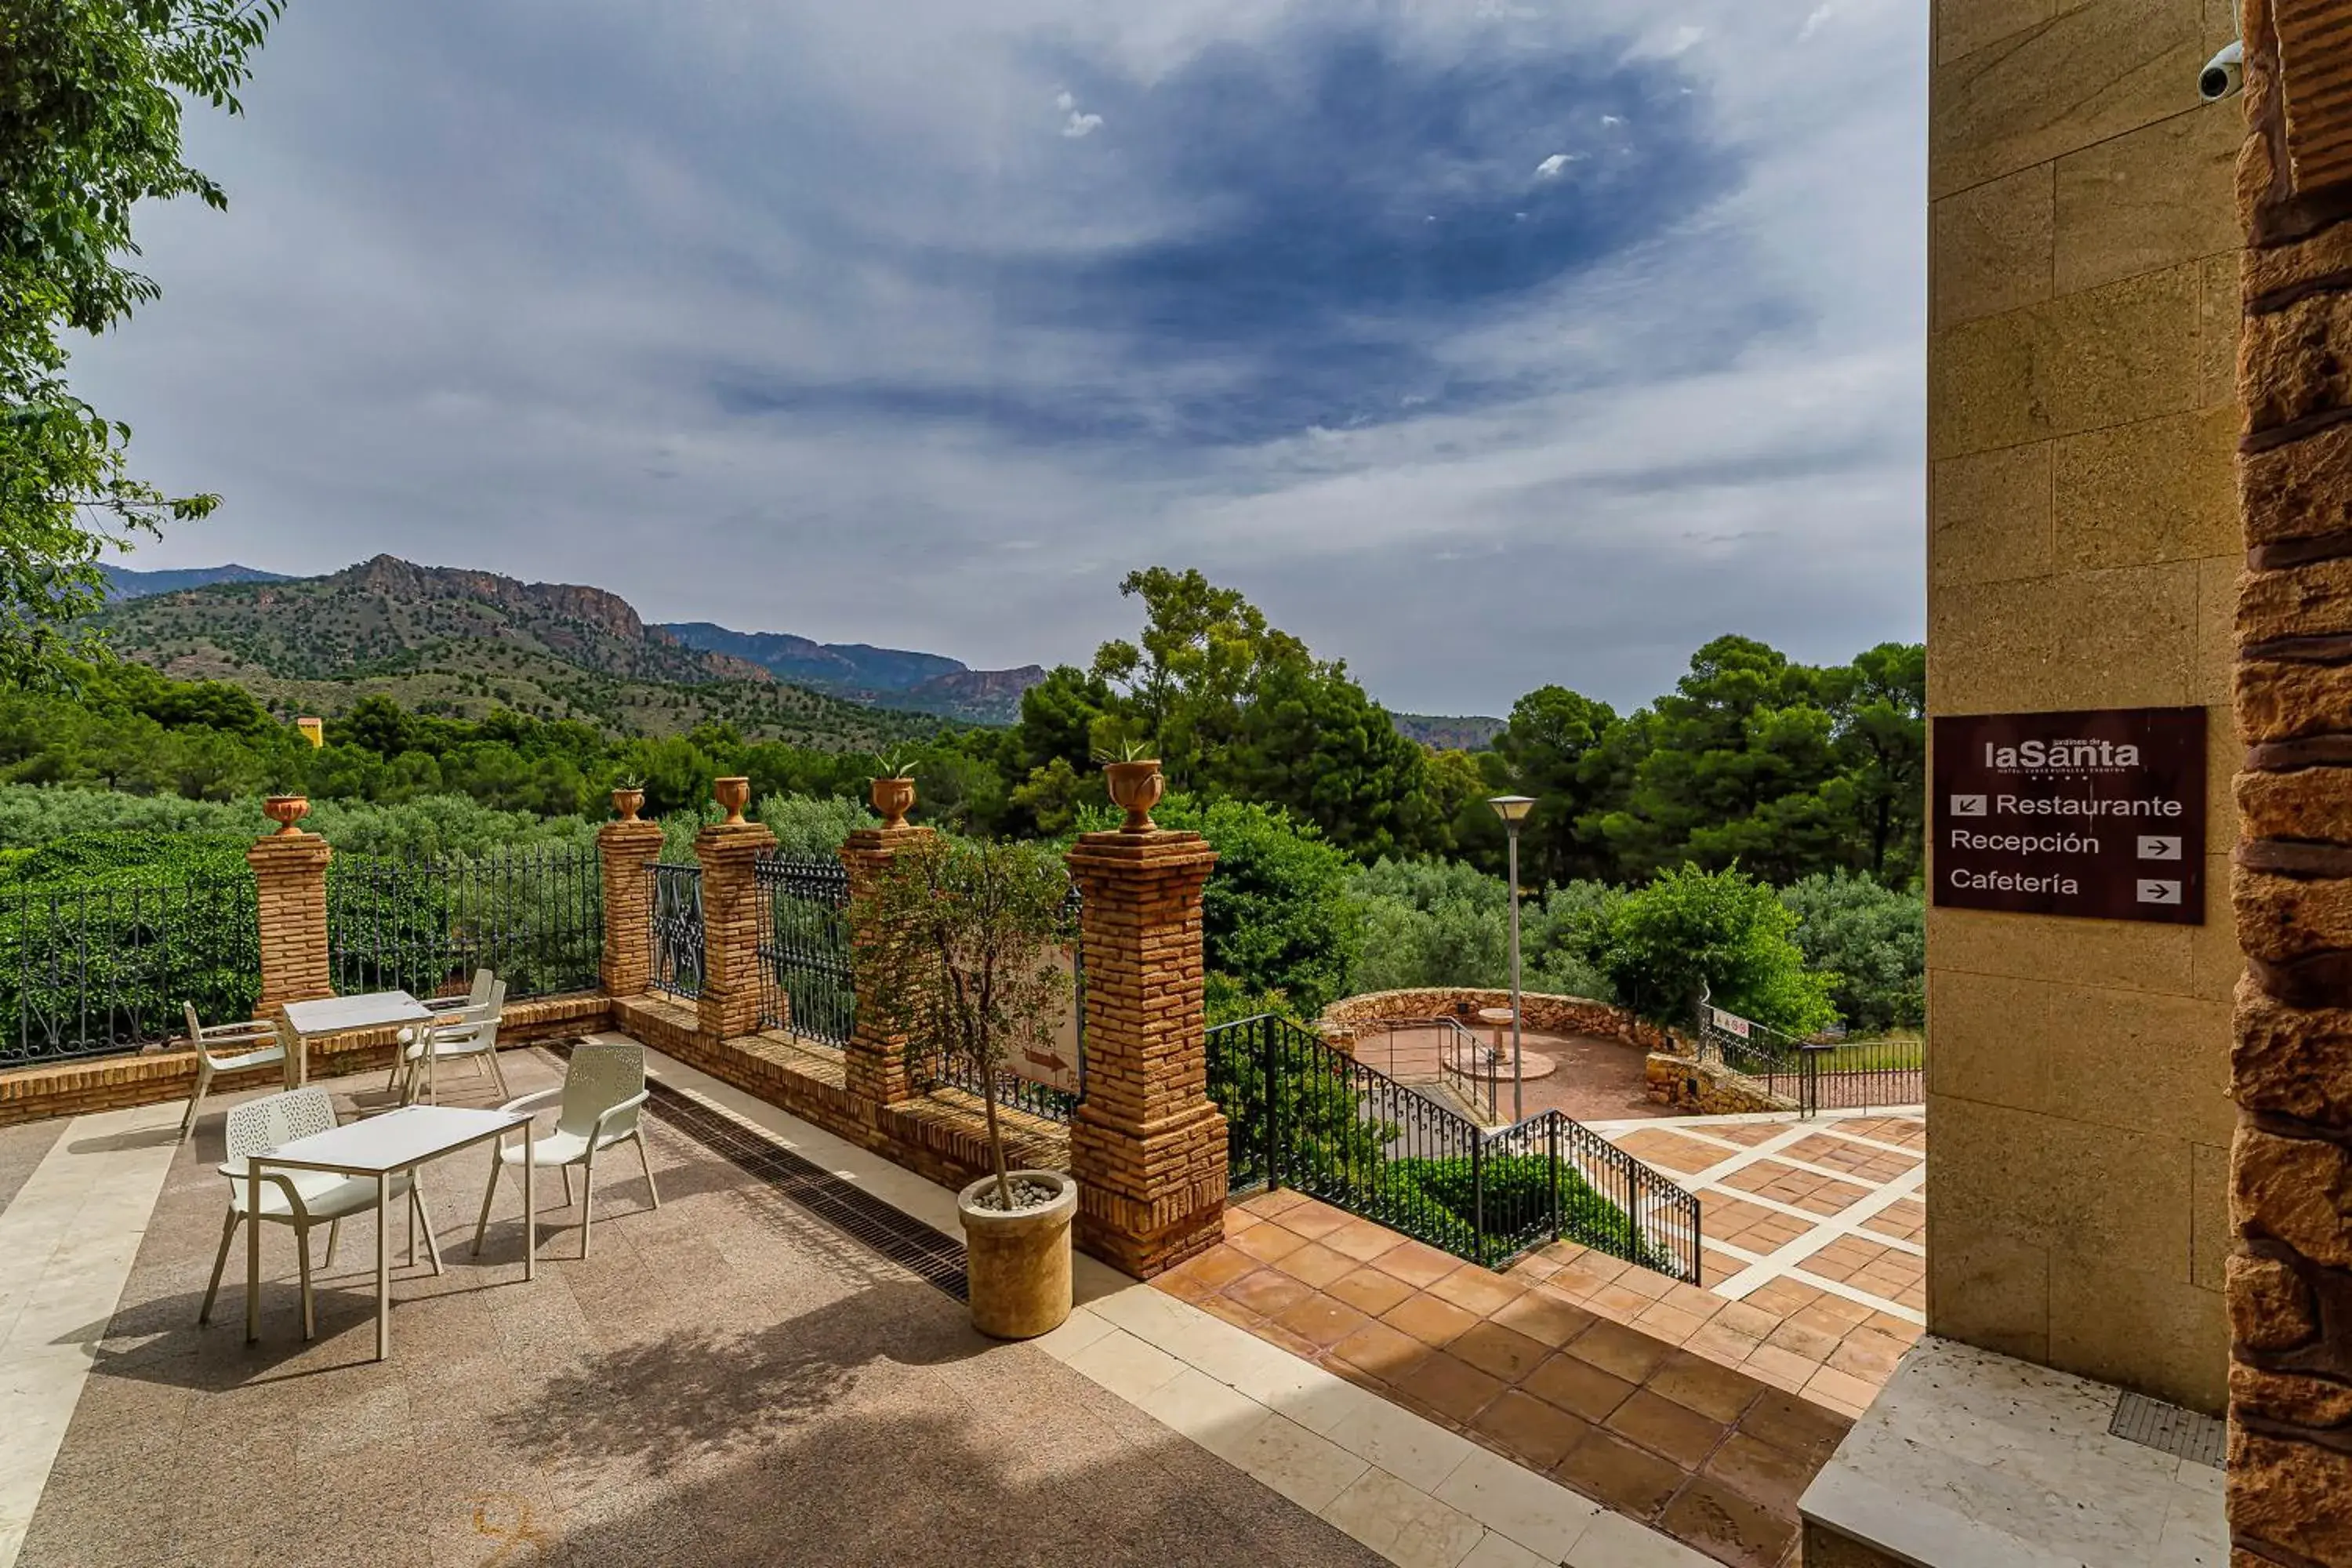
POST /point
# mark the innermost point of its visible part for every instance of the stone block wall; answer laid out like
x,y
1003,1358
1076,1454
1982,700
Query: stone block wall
x,y
2083,553
2289,1282
1551,1013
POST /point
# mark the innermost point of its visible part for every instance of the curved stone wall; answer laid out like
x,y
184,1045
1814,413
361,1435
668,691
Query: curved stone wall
x,y
1542,1011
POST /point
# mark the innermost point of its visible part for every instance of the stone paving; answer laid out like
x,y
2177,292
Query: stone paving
x,y
1550,1364
1593,1078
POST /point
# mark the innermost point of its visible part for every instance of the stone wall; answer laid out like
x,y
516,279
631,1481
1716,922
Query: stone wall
x,y
2083,553
1552,1014
2289,1283
1706,1089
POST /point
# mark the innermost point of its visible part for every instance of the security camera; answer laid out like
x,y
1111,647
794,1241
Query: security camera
x,y
2223,74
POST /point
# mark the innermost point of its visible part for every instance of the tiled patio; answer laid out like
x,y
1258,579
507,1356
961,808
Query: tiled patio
x,y
725,1380
1833,1208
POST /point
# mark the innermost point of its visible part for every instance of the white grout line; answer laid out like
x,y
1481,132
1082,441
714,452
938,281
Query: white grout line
x,y
69,1236
1858,1295
1829,1229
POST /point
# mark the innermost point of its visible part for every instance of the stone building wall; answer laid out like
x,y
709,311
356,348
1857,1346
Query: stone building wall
x,y
2083,553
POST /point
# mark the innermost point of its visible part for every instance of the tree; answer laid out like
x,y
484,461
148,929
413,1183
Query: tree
x,y
1722,934
90,101
959,951
1275,917
1552,749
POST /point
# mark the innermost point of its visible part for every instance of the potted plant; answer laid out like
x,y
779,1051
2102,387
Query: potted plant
x,y
893,793
962,958
286,807
1135,782
628,796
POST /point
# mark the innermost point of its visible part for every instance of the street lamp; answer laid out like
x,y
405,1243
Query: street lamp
x,y
1514,809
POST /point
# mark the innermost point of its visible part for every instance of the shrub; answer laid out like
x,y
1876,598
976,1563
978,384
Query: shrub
x,y
811,827
1276,914
1874,939
1513,1193
1694,933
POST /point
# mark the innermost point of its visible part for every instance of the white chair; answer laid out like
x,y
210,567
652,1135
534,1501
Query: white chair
x,y
300,1198
602,1092
455,1010
473,1034
227,1048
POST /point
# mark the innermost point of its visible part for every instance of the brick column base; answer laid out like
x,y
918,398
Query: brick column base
x,y
876,1061
289,878
731,982
628,851
1147,1145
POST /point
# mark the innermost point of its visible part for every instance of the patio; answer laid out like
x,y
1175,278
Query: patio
x,y
728,1379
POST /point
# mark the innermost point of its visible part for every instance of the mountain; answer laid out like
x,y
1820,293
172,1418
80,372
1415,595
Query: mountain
x,y
878,677
443,641
123,583
1466,734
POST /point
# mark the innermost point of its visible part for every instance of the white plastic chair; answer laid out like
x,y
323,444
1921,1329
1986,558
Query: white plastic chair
x,y
455,1010
300,1198
603,1092
474,1034
227,1048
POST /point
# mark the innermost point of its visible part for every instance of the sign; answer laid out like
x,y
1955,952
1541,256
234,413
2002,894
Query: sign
x,y
2098,814
1730,1023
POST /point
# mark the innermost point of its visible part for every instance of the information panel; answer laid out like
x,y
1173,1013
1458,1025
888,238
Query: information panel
x,y
2071,814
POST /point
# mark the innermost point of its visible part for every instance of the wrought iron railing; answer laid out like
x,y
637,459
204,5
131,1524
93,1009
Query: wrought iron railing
x,y
805,980
1460,1056
88,971
1814,1074
674,929
536,915
1299,1113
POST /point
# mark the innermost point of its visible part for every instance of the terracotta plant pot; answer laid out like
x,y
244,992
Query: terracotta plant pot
x,y
286,810
893,798
1135,787
1017,1265
628,802
734,794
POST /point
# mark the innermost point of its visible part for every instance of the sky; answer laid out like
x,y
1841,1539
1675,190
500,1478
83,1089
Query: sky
x,y
1483,344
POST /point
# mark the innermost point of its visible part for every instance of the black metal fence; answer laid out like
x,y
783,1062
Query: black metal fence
x,y
1815,1075
805,981
1301,1114
674,932
91,970
421,925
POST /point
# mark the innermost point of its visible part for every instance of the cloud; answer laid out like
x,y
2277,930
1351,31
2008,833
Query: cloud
x,y
1814,20
614,300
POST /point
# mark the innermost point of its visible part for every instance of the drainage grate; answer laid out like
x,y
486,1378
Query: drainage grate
x,y
816,1192
2184,1434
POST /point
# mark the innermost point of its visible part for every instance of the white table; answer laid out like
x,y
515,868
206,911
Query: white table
x,y
381,1147
343,1015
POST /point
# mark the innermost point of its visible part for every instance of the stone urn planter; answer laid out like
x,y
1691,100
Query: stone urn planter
x,y
1018,1264
732,794
1135,787
628,802
893,798
286,810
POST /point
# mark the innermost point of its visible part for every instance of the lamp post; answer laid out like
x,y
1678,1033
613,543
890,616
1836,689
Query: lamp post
x,y
1514,809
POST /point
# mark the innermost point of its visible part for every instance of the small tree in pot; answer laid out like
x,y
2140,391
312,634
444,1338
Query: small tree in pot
x,y
959,952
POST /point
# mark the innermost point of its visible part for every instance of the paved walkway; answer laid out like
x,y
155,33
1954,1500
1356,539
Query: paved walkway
x,y
726,1380
1795,1212
1594,1078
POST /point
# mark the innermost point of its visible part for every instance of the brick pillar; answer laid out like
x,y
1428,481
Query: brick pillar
x,y
876,1062
1147,1146
628,850
289,878
729,1004
2288,1283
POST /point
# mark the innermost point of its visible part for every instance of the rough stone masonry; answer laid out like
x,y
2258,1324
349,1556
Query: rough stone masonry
x,y
2289,1283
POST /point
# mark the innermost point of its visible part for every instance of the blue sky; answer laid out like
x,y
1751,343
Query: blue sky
x,y
1484,344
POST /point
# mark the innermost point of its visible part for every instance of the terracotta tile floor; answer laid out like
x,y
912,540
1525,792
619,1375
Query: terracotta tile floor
x,y
1830,1209
1702,1416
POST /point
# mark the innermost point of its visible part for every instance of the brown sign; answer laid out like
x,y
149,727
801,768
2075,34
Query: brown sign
x,y
2071,814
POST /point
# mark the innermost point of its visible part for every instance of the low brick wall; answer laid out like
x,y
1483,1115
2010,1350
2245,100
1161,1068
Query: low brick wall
x,y
1544,1010
942,1136
1706,1088
110,1083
